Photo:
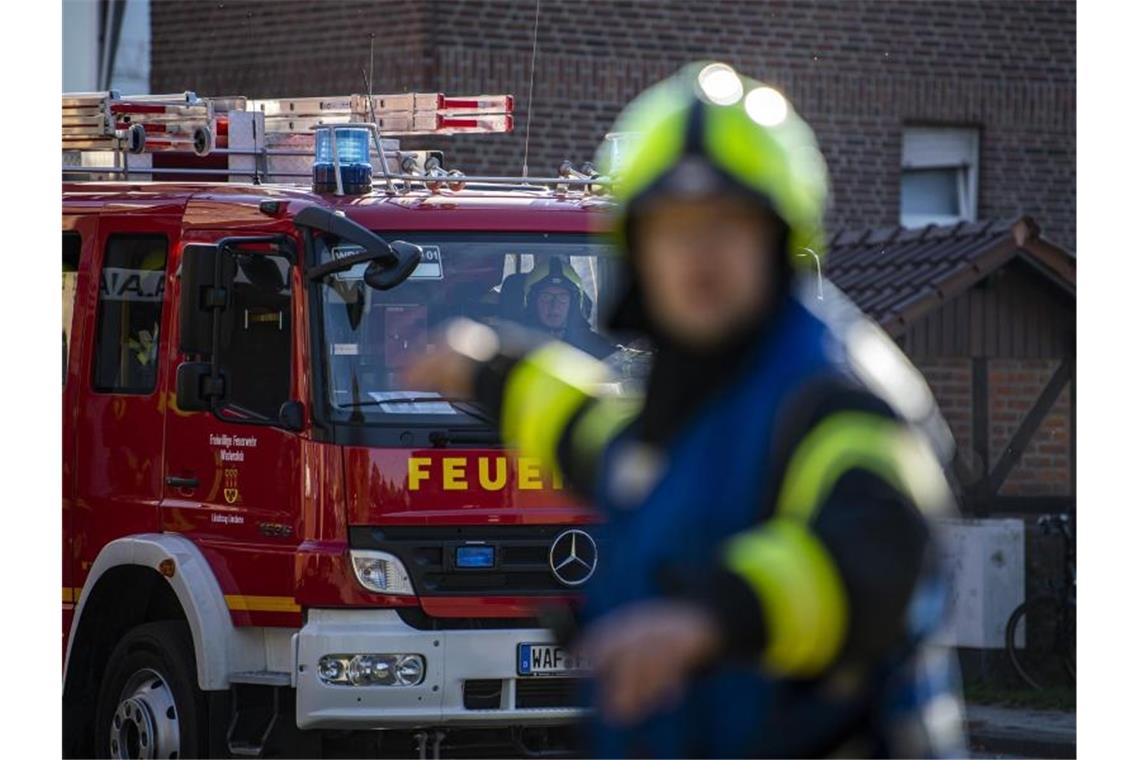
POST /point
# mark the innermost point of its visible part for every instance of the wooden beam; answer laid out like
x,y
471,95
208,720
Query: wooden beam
x,y
980,432
1073,438
1029,425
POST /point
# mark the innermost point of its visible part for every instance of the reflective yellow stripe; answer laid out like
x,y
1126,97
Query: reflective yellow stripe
x,y
601,422
850,440
71,595
800,592
792,573
542,392
242,603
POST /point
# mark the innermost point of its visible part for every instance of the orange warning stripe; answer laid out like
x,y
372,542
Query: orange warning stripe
x,y
242,603
238,602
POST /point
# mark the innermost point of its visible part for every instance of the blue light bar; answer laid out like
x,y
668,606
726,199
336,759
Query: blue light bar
x,y
475,556
352,152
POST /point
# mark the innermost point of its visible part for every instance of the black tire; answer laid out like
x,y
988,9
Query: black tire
x,y
1043,622
149,701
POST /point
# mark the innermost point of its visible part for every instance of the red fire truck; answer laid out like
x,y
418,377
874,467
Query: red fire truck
x,y
270,544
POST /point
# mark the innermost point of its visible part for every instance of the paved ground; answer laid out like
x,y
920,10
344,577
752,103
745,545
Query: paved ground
x,y
1014,732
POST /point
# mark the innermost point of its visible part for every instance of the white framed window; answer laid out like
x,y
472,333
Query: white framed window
x,y
939,176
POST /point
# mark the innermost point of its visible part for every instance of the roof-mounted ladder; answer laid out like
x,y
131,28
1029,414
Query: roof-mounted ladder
x,y
107,136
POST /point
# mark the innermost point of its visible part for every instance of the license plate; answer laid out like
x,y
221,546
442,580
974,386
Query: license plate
x,y
548,660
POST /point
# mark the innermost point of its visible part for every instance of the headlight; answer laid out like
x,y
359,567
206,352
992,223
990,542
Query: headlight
x,y
381,572
372,669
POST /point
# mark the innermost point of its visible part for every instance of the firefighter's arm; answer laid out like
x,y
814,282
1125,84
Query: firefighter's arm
x,y
551,404
548,397
829,577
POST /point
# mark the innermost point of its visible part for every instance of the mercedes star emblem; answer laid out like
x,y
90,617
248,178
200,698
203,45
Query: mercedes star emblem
x,y
573,557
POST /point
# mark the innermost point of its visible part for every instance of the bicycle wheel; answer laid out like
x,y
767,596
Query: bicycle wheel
x,y
1036,642
1069,642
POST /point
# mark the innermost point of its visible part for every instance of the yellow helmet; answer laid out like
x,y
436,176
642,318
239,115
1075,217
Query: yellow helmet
x,y
553,271
706,125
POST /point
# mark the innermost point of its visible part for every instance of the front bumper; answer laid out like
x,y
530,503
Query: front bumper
x,y
452,657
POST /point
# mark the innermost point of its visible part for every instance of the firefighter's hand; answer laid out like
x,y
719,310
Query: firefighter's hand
x,y
642,655
450,369
444,370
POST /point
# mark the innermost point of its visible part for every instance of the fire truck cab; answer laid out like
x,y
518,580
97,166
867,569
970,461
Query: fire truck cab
x,y
271,544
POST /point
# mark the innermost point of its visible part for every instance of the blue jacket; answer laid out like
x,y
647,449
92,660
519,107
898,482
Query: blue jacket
x,y
795,504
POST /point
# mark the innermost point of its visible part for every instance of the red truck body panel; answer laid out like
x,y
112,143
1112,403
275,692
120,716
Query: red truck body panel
x,y
274,521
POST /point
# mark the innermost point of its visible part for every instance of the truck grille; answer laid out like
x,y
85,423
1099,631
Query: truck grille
x,y
482,694
522,557
536,693
530,694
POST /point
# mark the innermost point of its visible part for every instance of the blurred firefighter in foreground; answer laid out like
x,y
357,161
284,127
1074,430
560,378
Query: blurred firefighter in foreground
x,y
768,580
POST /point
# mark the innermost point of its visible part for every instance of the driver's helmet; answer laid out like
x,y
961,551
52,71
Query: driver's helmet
x,y
553,271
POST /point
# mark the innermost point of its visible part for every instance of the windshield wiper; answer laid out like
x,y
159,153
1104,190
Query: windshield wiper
x,y
443,438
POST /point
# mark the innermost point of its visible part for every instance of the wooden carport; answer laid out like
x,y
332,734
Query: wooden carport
x,y
988,311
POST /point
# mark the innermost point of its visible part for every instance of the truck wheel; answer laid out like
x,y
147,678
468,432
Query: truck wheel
x,y
149,703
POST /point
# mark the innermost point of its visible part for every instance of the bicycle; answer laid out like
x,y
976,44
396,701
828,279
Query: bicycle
x,y
1047,623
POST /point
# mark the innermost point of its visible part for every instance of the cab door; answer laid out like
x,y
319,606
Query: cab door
x,y
119,384
232,478
79,233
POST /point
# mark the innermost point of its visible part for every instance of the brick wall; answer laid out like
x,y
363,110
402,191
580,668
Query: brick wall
x,y
1014,385
287,47
1044,468
951,381
858,70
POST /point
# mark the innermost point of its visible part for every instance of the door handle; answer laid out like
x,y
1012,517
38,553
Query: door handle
x,y
182,482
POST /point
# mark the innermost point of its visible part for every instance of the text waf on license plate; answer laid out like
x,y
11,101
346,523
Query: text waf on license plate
x,y
549,660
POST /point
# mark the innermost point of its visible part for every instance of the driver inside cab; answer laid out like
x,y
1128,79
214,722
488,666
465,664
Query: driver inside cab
x,y
554,303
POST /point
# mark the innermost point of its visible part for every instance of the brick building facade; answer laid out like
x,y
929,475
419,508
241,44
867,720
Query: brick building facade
x,y
859,71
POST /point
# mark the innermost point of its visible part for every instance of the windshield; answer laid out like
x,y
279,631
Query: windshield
x,y
553,283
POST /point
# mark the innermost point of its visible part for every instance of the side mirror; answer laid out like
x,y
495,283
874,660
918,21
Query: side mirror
x,y
292,415
209,274
194,387
389,264
386,277
201,294
262,273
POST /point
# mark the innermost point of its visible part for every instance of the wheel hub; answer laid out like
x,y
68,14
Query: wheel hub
x,y
145,724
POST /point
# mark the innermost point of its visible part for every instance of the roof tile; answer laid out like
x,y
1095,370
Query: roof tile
x,y
913,233
976,228
881,235
1005,225
888,269
944,231
850,237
